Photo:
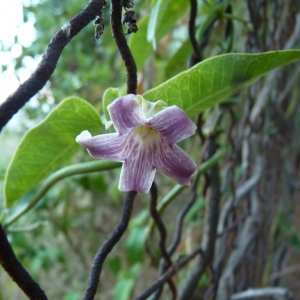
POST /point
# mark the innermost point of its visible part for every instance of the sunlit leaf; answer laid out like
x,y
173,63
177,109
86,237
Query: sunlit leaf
x,y
164,16
151,32
135,244
179,60
47,146
123,289
215,79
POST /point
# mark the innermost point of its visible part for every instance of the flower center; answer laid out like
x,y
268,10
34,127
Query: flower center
x,y
146,132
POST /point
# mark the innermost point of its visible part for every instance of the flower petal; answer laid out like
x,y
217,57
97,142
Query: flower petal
x,y
138,171
126,114
105,146
136,177
173,125
175,163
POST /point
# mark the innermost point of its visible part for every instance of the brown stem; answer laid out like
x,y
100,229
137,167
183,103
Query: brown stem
x,y
120,40
108,245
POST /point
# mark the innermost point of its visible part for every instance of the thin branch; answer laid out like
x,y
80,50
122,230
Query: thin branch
x,y
245,238
48,63
120,40
180,218
285,272
162,242
192,31
274,292
241,192
160,225
108,245
17,272
210,229
178,231
168,275
199,128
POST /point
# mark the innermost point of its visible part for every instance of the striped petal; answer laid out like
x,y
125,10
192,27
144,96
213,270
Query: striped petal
x,y
173,125
105,146
138,171
126,114
175,163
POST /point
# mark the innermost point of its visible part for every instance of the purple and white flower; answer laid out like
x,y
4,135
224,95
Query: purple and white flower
x,y
145,141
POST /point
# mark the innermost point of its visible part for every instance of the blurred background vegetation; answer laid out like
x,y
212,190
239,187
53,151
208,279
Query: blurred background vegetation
x,y
259,126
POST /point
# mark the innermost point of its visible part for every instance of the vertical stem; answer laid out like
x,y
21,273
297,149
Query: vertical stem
x,y
120,40
166,262
192,31
108,245
210,229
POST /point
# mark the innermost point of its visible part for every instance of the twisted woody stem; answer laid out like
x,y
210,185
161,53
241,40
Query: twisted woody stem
x,y
49,60
108,245
166,262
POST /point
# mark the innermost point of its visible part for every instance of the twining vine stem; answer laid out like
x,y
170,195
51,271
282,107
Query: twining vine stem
x,y
108,245
210,229
168,275
120,40
17,272
166,262
192,31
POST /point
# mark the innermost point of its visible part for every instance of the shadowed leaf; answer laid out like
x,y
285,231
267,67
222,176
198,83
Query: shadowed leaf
x,y
215,79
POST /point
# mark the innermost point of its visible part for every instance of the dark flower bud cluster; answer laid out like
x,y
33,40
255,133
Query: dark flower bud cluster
x,y
128,17
130,21
127,4
99,25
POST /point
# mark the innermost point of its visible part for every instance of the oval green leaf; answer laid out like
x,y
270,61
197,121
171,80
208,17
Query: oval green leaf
x,y
47,146
216,78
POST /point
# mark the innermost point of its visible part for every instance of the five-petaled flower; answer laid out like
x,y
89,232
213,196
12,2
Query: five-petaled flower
x,y
145,141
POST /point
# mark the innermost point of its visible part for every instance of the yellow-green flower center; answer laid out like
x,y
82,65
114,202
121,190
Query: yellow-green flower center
x,y
145,132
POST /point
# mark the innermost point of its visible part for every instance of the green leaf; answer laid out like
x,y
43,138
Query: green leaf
x,y
153,22
135,244
138,44
170,12
178,62
109,96
126,281
164,16
123,288
216,78
114,264
47,146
